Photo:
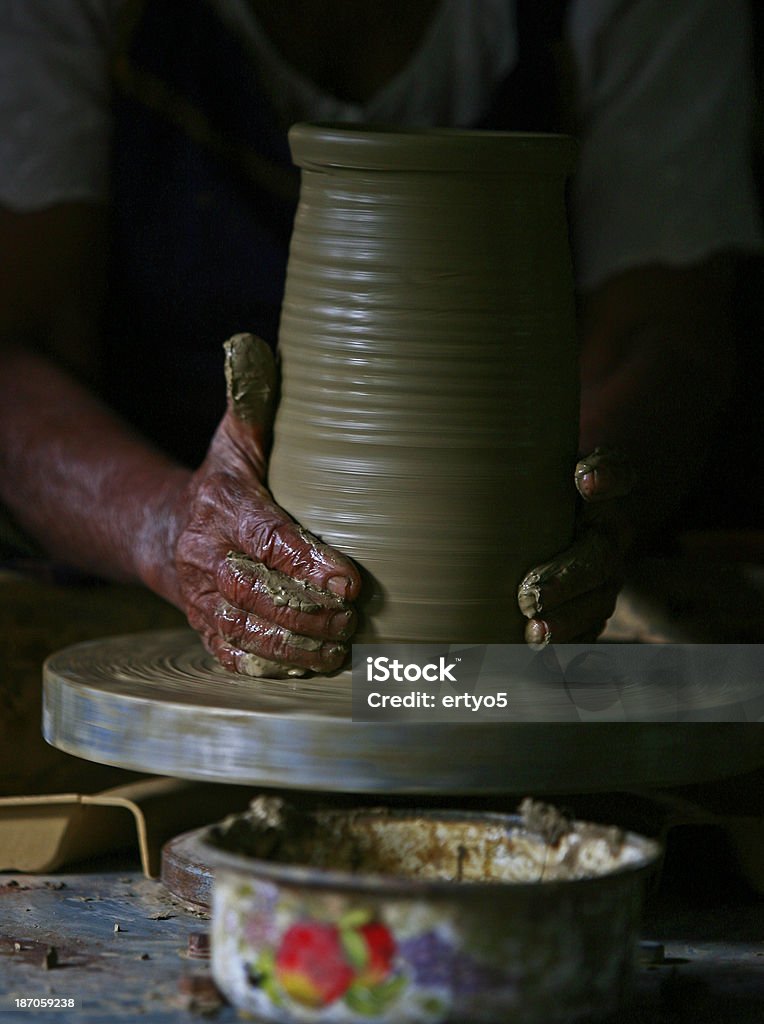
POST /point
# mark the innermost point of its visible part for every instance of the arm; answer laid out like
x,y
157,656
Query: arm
x,y
96,494
656,367
74,476
663,186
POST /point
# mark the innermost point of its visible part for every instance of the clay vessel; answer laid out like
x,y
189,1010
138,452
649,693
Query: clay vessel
x,y
428,418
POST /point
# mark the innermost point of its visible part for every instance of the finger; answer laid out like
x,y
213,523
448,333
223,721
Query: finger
x,y
278,598
586,565
250,375
603,475
247,664
212,613
275,643
270,536
212,616
578,621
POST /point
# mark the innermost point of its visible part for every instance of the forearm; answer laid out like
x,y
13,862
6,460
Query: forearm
x,y
656,366
80,482
656,377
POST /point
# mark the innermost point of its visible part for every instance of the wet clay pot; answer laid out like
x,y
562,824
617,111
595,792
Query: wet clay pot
x,y
429,409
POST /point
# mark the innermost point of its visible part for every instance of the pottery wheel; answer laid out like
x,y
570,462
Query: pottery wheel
x,y
156,702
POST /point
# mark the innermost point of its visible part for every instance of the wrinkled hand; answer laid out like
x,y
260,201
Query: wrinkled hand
x,y
570,598
267,597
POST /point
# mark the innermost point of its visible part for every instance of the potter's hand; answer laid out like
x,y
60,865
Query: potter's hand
x,y
266,596
570,598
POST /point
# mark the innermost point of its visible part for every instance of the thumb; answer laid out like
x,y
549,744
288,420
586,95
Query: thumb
x,y
604,474
250,376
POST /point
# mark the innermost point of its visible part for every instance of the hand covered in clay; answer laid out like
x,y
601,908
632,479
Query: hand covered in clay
x,y
267,597
570,598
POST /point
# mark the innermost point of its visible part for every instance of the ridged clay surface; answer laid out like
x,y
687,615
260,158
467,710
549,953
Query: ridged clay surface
x,y
429,397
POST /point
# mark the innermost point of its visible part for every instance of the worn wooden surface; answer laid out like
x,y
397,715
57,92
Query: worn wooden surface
x,y
121,947
712,970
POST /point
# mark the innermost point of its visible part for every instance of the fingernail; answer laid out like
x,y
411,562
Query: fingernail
x,y
586,483
537,634
339,585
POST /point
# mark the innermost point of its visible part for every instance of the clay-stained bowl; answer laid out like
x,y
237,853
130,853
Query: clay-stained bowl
x,y
410,916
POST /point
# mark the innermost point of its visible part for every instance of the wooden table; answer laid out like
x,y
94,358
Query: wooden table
x,y
124,949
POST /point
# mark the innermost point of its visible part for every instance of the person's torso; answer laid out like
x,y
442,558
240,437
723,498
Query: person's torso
x,y
204,191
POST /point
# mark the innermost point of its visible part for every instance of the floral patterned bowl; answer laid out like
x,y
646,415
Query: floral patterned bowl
x,y
407,916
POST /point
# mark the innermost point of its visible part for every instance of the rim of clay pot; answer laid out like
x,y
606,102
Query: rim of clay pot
x,y
289,874
381,148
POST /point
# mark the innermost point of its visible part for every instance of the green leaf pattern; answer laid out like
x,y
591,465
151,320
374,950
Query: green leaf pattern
x,y
372,1001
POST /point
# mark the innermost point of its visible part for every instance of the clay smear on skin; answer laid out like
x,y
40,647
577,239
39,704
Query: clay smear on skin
x,y
250,375
283,590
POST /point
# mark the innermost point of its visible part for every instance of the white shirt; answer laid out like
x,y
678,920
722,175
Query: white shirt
x,y
664,104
